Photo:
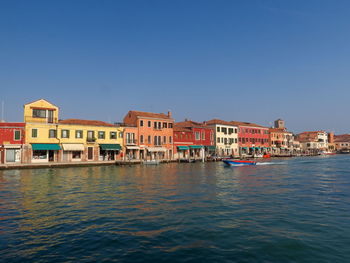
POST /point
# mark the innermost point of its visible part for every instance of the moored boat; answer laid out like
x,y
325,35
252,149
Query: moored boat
x,y
238,162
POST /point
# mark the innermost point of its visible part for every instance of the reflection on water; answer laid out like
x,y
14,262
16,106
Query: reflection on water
x,y
292,210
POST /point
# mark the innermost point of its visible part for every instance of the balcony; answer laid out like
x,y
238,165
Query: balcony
x,y
131,142
90,140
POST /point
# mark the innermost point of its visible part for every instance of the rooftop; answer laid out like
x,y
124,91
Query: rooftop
x,y
85,122
151,114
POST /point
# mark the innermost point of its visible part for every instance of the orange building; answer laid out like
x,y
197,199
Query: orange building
x,y
154,134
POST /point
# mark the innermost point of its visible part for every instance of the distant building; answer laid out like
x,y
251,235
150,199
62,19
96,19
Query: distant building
x,y
193,140
281,140
226,137
342,142
155,134
313,141
252,138
12,140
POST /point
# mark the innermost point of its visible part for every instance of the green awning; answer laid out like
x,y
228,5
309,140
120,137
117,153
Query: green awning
x,y
196,146
211,147
257,148
46,146
113,147
182,148
245,148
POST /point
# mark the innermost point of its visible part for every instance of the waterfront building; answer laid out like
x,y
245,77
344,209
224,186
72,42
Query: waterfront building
x,y
193,140
155,134
49,139
89,140
225,137
281,140
12,140
313,141
342,143
131,143
252,138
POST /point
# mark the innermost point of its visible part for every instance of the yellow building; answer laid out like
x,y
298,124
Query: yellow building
x,y
52,140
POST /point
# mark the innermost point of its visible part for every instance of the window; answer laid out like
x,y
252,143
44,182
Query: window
x,y
235,140
235,130
218,140
149,139
170,125
39,155
141,123
141,139
76,155
165,125
52,133
164,139
198,137
79,134
230,130
159,125
170,139
39,113
34,133
113,135
65,134
101,135
120,134
203,135
91,136
155,125
155,140
149,123
17,135
218,129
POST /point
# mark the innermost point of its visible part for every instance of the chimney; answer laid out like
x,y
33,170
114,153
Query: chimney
x,y
169,114
186,119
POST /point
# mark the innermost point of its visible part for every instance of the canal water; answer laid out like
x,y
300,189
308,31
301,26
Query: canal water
x,y
286,210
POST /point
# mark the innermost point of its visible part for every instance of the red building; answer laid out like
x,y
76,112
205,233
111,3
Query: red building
x,y
193,140
12,140
252,138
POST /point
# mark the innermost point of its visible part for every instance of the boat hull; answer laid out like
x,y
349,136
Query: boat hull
x,y
238,162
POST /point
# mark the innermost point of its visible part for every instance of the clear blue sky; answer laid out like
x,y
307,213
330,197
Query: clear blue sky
x,y
236,60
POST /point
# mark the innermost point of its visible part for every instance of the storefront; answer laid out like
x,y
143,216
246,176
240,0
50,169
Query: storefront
x,y
156,153
182,152
45,152
12,154
72,152
132,153
108,152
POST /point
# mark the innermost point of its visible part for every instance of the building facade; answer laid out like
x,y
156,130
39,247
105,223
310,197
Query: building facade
x,y
193,140
155,134
12,140
225,137
313,142
252,138
49,139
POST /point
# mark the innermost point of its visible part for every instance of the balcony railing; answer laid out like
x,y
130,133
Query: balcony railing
x,y
131,142
91,140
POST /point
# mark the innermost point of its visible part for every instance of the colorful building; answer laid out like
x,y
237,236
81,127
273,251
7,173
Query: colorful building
x,y
252,138
193,140
49,139
131,143
12,140
226,137
342,143
313,142
281,140
155,134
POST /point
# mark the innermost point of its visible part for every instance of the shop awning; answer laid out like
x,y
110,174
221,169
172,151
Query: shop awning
x,y
156,149
111,147
196,146
257,148
211,147
46,146
14,146
182,148
73,147
133,147
245,148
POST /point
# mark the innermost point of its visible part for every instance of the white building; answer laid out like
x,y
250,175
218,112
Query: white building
x,y
226,137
